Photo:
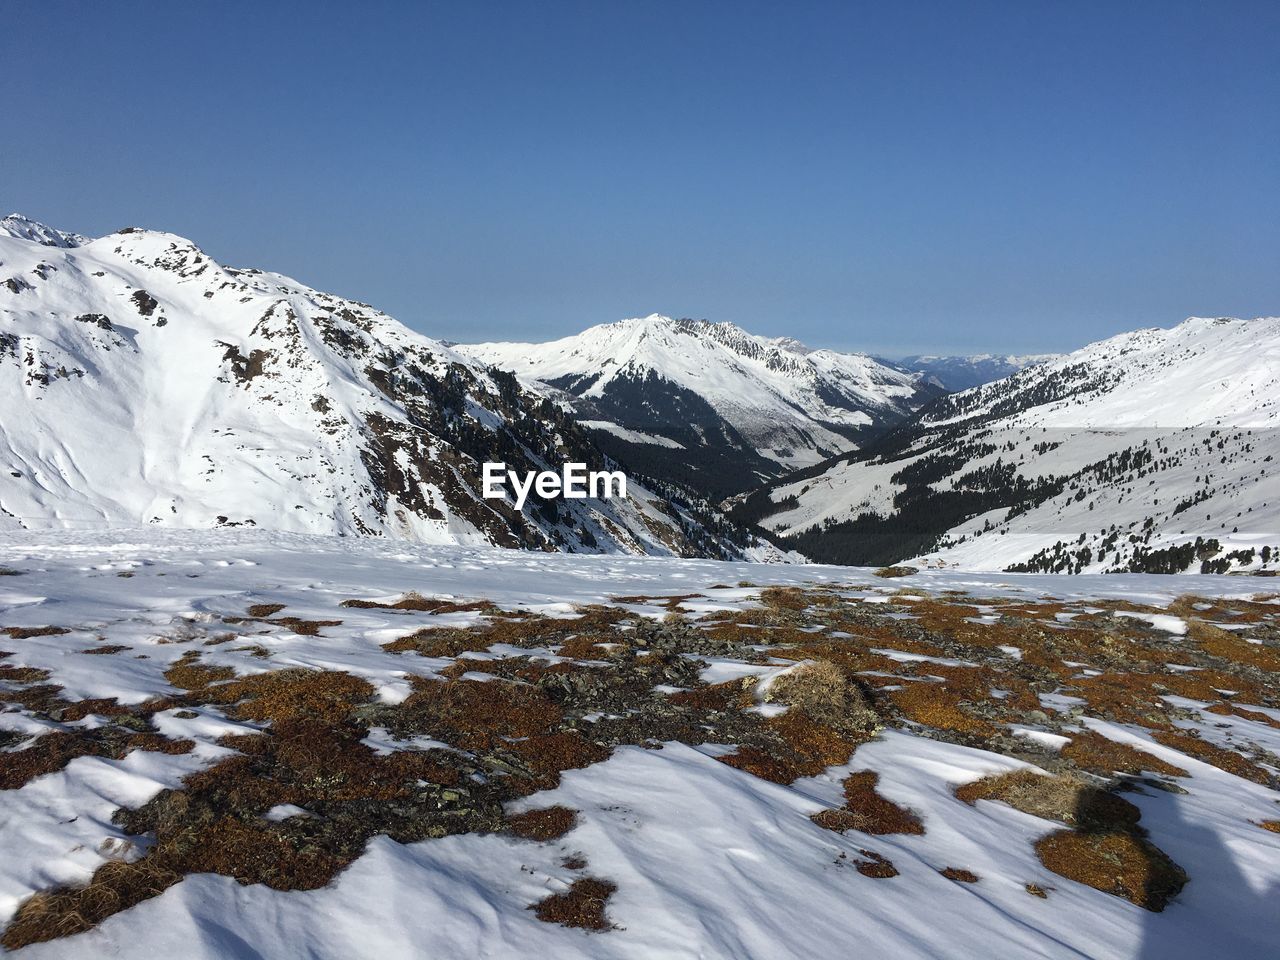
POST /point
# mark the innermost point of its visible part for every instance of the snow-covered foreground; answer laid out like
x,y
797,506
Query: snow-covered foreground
x,y
700,857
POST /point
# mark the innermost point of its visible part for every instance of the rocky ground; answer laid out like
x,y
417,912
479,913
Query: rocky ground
x,y
265,749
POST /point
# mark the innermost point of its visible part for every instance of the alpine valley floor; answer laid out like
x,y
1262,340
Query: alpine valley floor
x,y
251,745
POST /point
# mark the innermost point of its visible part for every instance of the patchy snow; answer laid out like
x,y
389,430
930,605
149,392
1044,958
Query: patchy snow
x,y
635,436
1161,621
709,861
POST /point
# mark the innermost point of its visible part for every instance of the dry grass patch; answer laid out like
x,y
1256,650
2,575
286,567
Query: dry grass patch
x,y
1117,863
669,602
52,751
876,866
440,642
303,628
114,887
259,610
517,629
867,811
1098,754
890,573
294,694
796,746
1225,644
937,705
416,602
586,646
959,875
1067,799
23,675
786,598
1207,685
1212,754
582,905
547,755
312,755
30,633
479,715
1124,697
713,696
189,674
548,823
1107,850
1243,713
106,649
830,716
825,693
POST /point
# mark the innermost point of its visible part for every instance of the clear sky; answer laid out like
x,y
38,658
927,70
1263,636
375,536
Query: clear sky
x,y
897,177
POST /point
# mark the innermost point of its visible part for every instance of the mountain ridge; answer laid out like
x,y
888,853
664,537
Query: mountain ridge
x,y
962,372
1149,450
158,386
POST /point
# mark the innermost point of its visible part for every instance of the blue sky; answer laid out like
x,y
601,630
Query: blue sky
x,y
894,177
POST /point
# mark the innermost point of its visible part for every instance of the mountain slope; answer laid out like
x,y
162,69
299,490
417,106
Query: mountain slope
x,y
962,373
142,382
1153,450
709,403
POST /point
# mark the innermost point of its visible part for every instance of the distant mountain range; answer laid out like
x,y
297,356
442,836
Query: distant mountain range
x,y
708,404
962,373
1153,450
142,382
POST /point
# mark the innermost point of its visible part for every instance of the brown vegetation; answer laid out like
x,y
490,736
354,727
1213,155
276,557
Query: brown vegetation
x,y
1107,850
876,866
1210,753
547,823
823,691
1067,799
260,610
582,905
898,571
1101,755
1118,863
867,811
30,633
53,751
416,602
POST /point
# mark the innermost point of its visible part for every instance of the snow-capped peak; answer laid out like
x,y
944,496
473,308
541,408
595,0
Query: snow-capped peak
x,y
23,228
743,406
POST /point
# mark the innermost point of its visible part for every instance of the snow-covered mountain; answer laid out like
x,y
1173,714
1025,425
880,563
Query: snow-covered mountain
x,y
18,227
142,382
1153,450
709,403
962,373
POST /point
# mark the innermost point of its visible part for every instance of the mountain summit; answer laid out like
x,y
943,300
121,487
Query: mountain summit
x,y
708,402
